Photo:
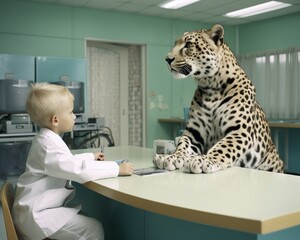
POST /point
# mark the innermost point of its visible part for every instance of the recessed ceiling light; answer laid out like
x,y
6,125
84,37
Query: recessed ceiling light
x,y
175,4
257,9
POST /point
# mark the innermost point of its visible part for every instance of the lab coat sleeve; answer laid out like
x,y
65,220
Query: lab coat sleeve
x,y
61,163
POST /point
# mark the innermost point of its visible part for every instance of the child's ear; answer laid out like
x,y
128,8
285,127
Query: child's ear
x,y
54,120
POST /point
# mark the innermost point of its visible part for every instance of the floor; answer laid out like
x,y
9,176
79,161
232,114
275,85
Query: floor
x,y
2,227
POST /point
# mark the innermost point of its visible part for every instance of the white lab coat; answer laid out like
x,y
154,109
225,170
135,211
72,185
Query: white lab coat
x,y
38,210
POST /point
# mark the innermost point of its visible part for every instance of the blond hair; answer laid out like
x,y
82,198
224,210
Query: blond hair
x,y
45,100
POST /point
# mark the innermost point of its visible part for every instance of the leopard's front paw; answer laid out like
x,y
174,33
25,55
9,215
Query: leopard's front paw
x,y
193,164
186,165
196,165
158,160
164,161
211,166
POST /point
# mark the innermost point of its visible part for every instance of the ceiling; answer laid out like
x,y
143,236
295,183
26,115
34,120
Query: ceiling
x,y
206,11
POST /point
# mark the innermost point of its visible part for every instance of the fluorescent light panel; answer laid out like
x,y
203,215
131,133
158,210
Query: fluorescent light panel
x,y
175,4
257,9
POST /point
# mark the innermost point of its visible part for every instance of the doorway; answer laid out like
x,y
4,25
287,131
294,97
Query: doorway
x,y
116,86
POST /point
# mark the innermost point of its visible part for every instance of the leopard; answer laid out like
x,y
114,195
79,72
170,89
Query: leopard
x,y
226,126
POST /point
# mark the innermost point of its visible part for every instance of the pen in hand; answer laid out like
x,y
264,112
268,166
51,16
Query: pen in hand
x,y
100,155
102,148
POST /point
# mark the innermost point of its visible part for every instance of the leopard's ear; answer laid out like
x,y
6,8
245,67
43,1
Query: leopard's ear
x,y
217,34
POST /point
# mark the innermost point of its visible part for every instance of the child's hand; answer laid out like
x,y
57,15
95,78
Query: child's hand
x,y
125,168
99,156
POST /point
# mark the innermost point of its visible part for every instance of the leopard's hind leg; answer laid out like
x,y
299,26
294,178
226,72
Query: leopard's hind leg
x,y
271,162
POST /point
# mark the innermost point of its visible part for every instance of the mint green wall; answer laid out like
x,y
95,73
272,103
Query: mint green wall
x,y
40,29
273,34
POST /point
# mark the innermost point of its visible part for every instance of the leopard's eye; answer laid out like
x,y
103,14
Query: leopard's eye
x,y
188,45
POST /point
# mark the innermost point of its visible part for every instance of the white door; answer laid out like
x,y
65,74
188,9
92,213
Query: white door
x,y
108,87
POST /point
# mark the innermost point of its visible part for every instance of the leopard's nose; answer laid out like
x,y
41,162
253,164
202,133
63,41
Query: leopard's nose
x,y
169,60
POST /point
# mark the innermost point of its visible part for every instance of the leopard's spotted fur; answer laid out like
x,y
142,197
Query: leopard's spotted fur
x,y
226,125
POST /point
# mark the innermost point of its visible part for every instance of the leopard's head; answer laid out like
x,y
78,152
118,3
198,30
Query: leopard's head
x,y
197,53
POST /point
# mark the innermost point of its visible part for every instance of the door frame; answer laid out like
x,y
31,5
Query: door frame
x,y
143,81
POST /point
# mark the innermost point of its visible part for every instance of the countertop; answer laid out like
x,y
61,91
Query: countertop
x,y
237,198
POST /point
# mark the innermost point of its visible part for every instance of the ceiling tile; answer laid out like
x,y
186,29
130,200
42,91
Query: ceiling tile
x,y
76,3
103,4
176,13
197,16
147,2
130,7
153,11
204,5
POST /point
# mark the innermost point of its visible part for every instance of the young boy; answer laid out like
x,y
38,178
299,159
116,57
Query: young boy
x,y
43,190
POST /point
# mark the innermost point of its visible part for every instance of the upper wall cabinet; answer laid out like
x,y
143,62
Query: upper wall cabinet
x,y
51,69
67,72
16,67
